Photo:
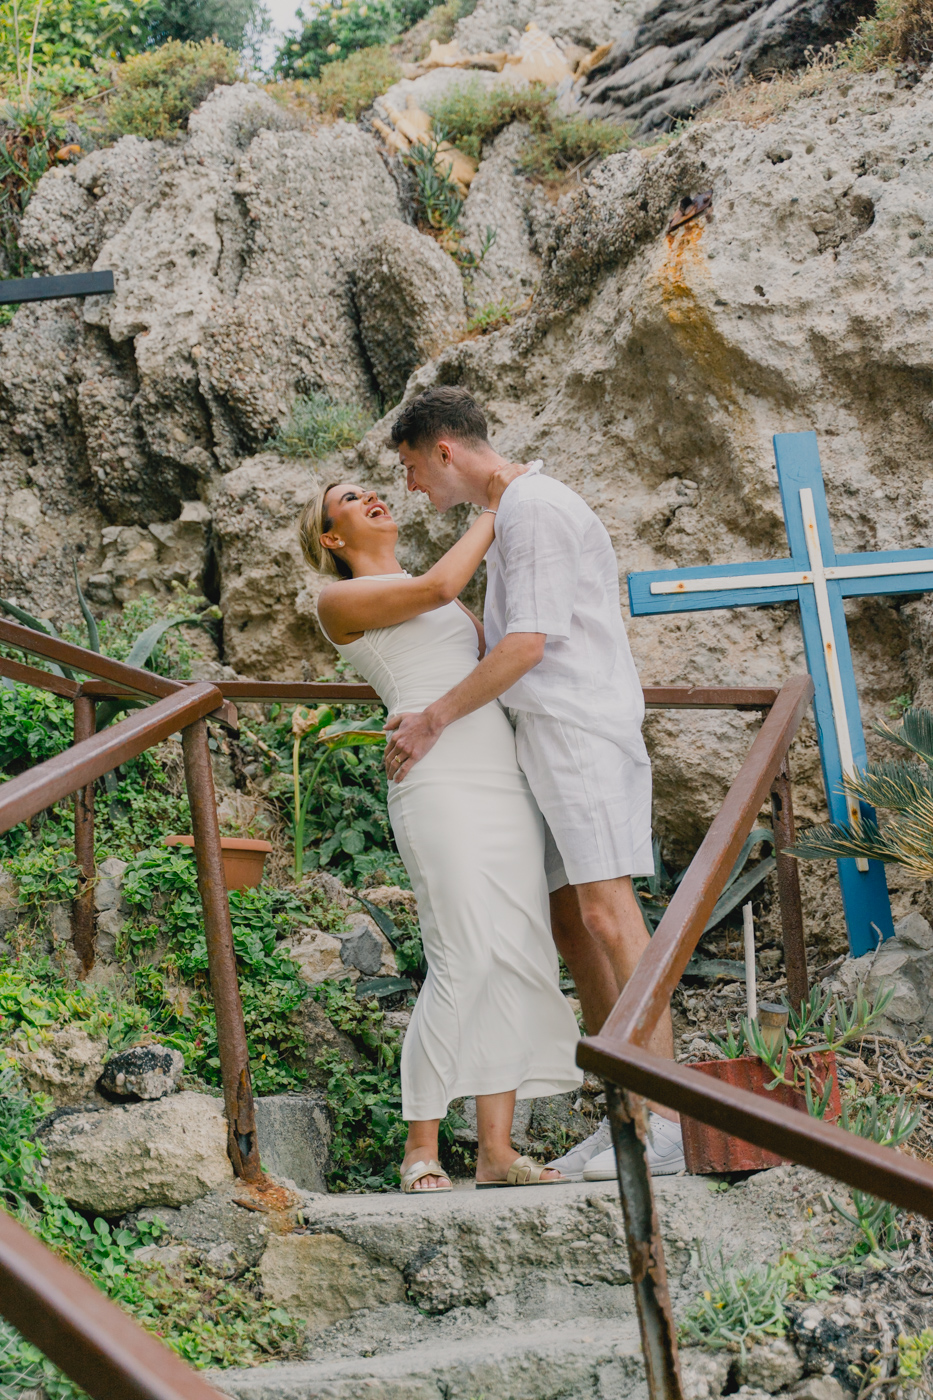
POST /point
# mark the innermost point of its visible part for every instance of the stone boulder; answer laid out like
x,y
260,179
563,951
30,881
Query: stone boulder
x,y
409,300
365,947
268,592
294,1134
318,957
144,1072
65,1064
321,1278
500,198
115,1160
675,59
319,1034
903,963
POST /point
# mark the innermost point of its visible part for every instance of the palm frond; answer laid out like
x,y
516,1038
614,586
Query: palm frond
x,y
915,733
896,785
839,842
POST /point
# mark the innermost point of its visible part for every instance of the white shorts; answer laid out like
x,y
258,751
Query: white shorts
x,y
595,799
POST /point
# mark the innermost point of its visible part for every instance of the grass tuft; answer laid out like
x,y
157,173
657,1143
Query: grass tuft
x,y
318,425
469,116
344,89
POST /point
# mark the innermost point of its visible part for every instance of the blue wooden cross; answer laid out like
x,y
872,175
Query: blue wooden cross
x,y
818,579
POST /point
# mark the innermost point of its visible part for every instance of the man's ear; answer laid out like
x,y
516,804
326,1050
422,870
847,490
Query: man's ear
x,y
444,449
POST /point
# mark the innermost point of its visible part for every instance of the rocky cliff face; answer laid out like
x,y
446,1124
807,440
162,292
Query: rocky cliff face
x,y
650,372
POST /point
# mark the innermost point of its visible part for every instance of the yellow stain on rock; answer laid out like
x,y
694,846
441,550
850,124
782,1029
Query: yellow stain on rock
x,y
682,278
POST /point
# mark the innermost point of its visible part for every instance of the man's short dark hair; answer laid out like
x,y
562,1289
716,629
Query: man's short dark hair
x,y
445,410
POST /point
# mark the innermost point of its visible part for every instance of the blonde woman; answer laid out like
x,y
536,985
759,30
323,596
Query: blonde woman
x,y
490,1020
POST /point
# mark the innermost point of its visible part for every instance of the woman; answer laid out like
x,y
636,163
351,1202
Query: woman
x,y
490,1020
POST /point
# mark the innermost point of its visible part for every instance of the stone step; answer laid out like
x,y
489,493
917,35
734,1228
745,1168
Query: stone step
x,y
532,1360
509,1295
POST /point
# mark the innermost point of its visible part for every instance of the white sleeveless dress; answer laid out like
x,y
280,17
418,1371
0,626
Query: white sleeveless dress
x,y
490,1016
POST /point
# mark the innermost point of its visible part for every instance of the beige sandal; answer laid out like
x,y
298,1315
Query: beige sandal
x,y
417,1172
524,1172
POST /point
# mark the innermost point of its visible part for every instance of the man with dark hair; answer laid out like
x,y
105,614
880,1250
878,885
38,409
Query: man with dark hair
x,y
558,659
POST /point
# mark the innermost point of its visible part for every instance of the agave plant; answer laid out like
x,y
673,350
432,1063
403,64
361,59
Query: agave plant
x,y
904,788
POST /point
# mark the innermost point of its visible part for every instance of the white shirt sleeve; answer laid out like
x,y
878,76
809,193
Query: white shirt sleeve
x,y
540,546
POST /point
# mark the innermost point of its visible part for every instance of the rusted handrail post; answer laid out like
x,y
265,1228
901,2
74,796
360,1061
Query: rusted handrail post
x,y
788,882
82,909
645,1250
221,960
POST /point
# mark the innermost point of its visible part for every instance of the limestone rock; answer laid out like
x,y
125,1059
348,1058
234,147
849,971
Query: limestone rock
x,y
498,24
674,61
323,1277
311,198
138,562
318,956
146,1071
66,1065
903,963
294,1138
704,1372
268,592
215,1222
499,198
771,1366
394,900
165,1153
409,299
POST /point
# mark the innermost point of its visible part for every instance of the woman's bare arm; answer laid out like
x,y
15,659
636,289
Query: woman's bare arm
x,y
348,608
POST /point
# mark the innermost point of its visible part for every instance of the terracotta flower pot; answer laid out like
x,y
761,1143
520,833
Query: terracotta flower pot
x,y
708,1149
243,860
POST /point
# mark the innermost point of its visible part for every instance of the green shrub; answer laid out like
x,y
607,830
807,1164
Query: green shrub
x,y
318,425
234,22
156,91
270,985
73,40
897,31
34,725
346,825
345,88
30,137
335,29
470,115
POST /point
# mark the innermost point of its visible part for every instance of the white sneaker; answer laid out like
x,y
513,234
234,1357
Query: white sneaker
x,y
574,1161
665,1152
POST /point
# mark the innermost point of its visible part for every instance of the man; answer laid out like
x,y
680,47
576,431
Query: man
x,y
558,658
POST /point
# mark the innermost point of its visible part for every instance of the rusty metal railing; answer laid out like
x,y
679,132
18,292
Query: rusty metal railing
x,y
619,1056
75,1325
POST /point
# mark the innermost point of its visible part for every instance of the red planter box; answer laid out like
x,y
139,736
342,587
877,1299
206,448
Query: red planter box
x,y
709,1149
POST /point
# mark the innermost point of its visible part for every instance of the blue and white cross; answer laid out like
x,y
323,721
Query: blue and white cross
x,y
817,579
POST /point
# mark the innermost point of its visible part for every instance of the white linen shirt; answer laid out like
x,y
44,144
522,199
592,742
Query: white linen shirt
x,y
552,569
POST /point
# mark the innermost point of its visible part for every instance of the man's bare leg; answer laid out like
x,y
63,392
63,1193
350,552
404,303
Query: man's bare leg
x,y
588,965
605,936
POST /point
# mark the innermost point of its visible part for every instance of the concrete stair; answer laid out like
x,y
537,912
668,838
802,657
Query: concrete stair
x,y
507,1295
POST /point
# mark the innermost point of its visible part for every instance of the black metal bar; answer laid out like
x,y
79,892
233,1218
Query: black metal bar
x,y
70,284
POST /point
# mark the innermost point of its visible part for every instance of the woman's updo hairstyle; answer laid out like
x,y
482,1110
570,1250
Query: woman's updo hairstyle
x,y
312,524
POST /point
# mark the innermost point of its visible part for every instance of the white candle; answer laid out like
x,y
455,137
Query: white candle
x,y
750,985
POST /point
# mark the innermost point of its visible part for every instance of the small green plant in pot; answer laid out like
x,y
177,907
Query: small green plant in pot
x,y
793,1058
